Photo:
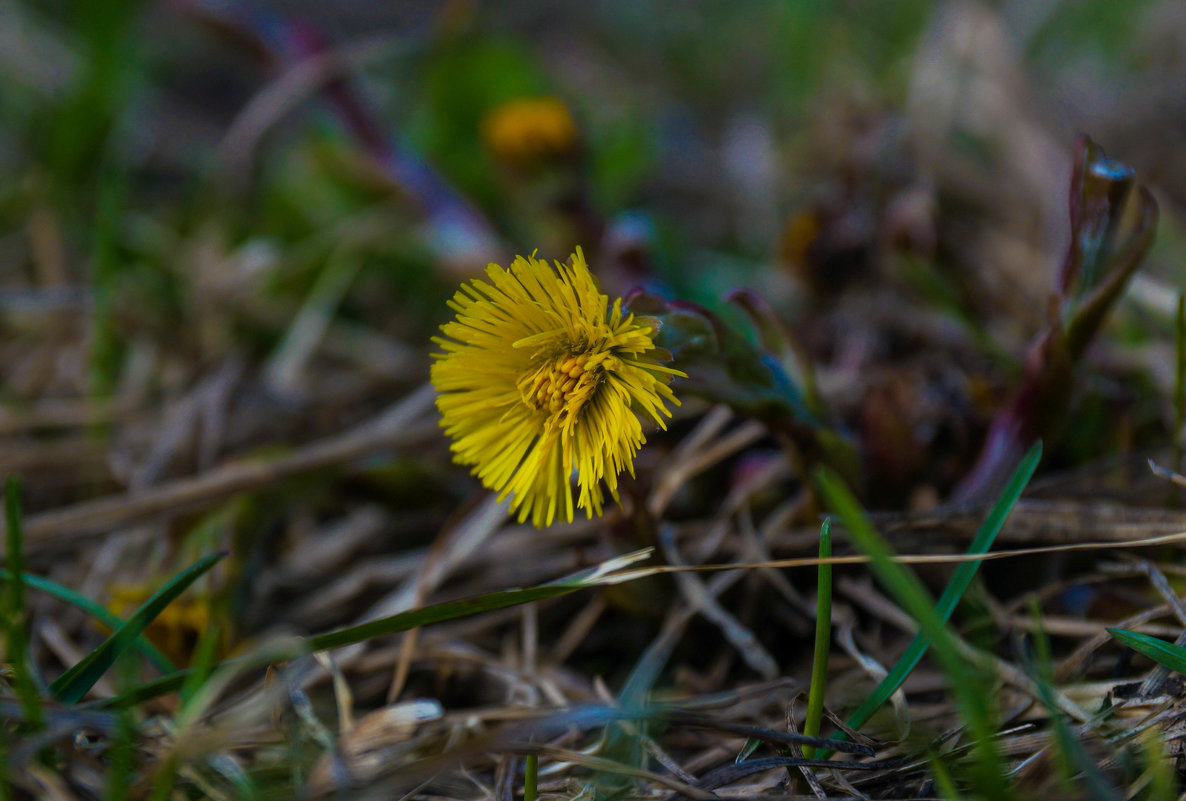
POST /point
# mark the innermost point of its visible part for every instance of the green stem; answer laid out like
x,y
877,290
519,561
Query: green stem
x,y
531,778
823,639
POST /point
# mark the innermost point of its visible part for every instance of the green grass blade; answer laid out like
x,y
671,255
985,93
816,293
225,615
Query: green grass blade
x,y
747,750
16,651
1079,769
1161,767
944,783
954,591
165,778
435,614
95,610
989,773
202,663
415,618
823,640
1162,652
442,612
72,685
120,758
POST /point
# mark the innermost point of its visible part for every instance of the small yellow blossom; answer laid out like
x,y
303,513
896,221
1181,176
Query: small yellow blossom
x,y
529,129
176,629
541,376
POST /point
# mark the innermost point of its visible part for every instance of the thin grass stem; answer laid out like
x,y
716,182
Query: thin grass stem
x,y
823,640
531,778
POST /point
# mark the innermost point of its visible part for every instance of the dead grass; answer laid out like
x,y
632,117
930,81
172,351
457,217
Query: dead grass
x,y
234,357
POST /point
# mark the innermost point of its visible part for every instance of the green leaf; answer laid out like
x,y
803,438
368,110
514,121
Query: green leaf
x,y
949,600
72,685
1162,652
723,366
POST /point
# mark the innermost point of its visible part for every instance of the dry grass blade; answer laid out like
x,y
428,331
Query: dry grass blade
x,y
399,426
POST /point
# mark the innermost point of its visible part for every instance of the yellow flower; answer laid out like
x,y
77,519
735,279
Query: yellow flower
x,y
529,129
179,625
541,376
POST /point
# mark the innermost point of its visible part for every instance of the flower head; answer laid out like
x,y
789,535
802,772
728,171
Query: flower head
x,y
528,130
540,375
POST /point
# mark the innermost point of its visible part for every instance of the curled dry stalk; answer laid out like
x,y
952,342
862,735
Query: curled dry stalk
x,y
1113,221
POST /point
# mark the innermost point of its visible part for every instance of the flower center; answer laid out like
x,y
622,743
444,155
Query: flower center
x,y
565,383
